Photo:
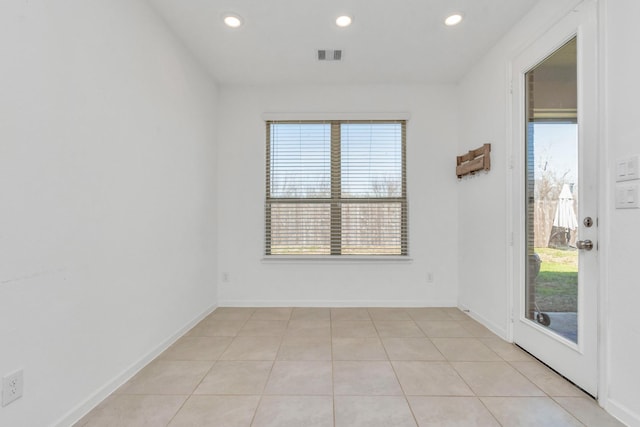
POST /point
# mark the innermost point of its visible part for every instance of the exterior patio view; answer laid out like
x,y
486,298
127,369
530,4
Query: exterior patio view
x,y
552,193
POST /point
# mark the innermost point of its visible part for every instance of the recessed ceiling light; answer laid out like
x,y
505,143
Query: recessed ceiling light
x,y
232,20
452,20
344,21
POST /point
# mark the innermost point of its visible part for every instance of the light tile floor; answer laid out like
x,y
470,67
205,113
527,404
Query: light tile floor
x,y
345,367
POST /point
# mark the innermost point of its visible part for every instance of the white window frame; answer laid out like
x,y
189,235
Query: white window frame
x,y
336,249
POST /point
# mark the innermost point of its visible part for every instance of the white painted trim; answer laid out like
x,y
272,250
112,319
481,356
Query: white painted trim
x,y
511,204
343,259
604,206
622,413
336,116
510,238
566,9
338,303
493,327
83,408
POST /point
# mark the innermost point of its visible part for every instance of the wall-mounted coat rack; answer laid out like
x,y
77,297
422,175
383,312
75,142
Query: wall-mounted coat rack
x,y
473,161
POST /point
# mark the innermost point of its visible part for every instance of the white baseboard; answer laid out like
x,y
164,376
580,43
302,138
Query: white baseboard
x,y
337,303
622,413
79,411
496,329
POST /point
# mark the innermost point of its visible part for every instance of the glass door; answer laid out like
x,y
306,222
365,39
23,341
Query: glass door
x,y
555,181
551,192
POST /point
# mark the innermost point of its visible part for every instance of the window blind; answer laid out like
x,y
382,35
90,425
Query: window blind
x,y
336,188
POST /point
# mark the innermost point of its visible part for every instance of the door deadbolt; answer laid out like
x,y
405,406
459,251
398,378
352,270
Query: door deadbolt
x,y
588,222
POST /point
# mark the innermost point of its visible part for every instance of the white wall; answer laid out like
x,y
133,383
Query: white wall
x,y
432,189
107,185
484,110
485,113
622,91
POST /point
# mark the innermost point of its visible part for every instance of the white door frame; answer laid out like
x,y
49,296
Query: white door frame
x,y
604,204
561,31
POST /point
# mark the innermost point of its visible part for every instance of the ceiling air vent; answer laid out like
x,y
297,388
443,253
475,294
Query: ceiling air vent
x,y
329,55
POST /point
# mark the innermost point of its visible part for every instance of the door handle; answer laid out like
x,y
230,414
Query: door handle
x,y
587,245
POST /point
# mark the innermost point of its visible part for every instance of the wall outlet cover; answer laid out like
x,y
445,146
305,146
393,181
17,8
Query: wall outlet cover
x,y
12,387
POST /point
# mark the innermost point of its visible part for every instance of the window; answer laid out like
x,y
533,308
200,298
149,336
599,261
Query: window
x,y
336,188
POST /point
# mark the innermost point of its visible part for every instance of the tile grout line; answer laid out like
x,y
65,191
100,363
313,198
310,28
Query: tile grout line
x,y
282,337
333,370
479,398
546,395
455,370
472,390
404,394
264,388
209,370
535,397
570,413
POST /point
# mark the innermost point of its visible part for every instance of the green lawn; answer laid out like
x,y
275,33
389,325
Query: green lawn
x,y
557,282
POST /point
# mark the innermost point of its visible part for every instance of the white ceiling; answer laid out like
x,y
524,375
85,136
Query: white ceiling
x,y
390,41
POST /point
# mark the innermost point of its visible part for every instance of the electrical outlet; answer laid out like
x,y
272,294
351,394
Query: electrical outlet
x,y
429,277
225,277
12,387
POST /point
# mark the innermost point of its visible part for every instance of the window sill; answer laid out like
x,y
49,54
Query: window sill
x,y
344,259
